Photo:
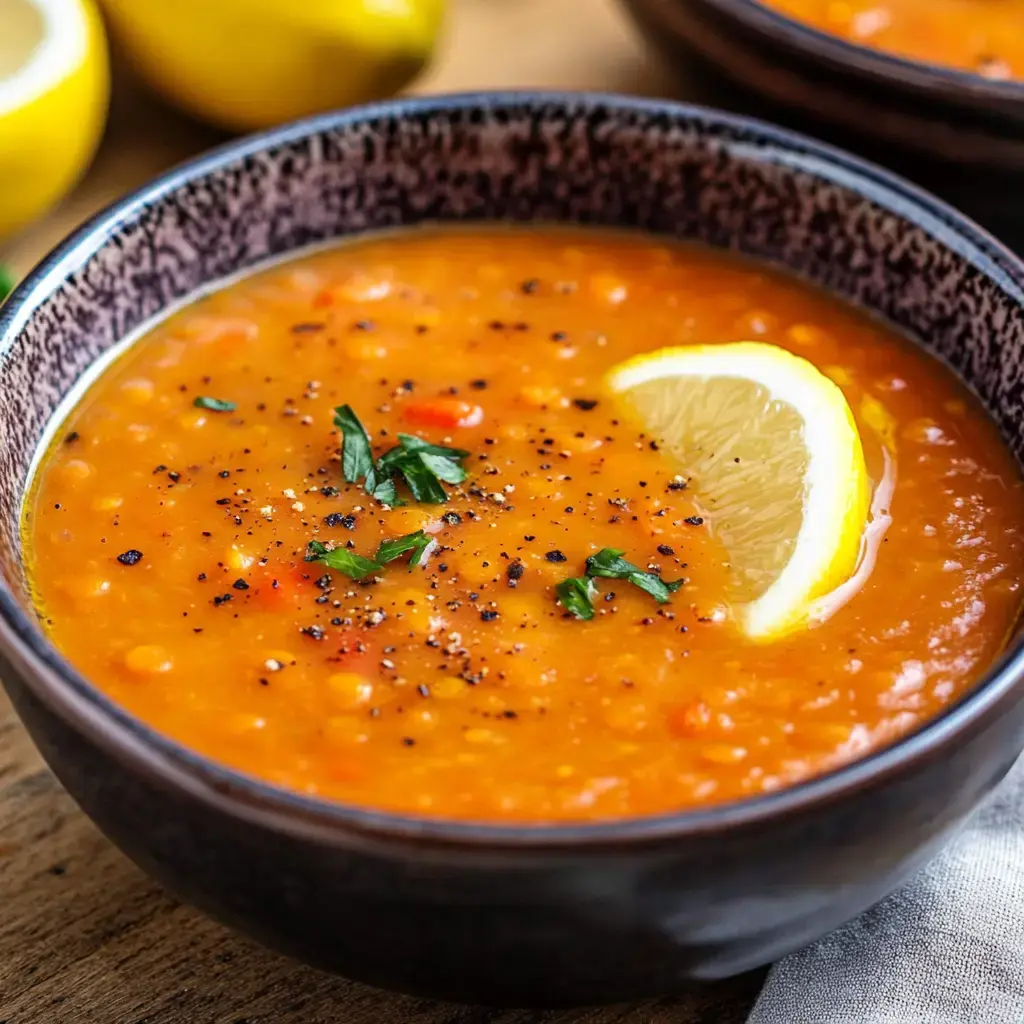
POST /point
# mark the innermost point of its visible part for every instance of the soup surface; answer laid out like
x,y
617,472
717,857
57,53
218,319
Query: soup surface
x,y
982,36
169,526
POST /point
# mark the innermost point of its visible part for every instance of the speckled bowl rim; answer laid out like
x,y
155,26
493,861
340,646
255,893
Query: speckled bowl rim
x,y
53,680
877,63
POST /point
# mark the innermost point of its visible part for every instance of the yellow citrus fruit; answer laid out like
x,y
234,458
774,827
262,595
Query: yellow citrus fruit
x,y
54,86
773,454
250,64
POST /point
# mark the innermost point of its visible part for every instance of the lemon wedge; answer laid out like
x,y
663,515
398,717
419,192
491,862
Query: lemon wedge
x,y
53,99
772,452
251,64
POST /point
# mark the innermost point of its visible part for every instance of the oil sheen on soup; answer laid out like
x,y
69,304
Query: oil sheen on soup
x,y
172,517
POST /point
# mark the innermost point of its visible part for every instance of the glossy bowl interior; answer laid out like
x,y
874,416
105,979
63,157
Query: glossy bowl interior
x,y
493,913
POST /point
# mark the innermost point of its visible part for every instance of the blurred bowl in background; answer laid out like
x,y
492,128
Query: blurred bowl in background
x,y
244,65
957,116
957,133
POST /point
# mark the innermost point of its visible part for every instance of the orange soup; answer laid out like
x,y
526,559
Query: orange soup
x,y
406,620
982,36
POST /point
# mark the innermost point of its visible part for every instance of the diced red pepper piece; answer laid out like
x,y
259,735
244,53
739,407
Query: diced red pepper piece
x,y
443,412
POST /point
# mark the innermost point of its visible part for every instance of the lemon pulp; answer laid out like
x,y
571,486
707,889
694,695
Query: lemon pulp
x,y
770,447
53,98
22,33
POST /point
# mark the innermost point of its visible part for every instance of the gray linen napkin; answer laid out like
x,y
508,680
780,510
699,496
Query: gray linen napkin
x,y
946,949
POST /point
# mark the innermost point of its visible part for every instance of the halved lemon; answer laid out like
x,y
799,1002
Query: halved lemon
x,y
53,100
772,452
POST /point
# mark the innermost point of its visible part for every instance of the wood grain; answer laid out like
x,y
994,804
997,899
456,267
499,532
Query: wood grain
x,y
85,938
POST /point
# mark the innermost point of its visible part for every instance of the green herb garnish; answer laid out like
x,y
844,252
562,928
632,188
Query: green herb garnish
x,y
609,563
576,595
6,283
357,567
214,404
344,561
356,455
443,462
417,543
422,482
382,489
421,465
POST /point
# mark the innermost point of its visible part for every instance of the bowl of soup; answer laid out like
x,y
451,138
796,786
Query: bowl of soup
x,y
914,82
526,549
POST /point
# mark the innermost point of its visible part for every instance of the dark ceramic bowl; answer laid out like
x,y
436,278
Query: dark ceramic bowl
x,y
960,133
501,914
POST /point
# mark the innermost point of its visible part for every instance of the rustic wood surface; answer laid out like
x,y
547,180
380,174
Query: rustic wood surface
x,y
85,938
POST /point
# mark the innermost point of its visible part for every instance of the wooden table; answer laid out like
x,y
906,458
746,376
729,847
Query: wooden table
x,y
85,938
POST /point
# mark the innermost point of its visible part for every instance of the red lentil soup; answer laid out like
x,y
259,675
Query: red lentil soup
x,y
169,525
982,36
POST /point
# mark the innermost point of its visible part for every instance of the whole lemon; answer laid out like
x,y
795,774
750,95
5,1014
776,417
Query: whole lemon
x,y
250,64
54,87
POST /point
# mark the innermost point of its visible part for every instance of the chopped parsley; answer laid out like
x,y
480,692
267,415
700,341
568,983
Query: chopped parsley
x,y
422,466
214,404
342,560
357,567
417,543
609,563
576,595
6,283
356,454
